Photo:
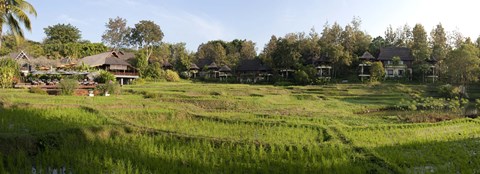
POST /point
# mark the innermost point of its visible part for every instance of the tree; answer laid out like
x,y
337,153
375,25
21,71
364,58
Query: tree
x,y
62,34
377,72
215,51
464,64
117,33
390,36
439,43
375,46
9,70
420,49
146,35
14,14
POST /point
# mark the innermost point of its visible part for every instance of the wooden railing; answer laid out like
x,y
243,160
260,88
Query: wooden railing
x,y
125,73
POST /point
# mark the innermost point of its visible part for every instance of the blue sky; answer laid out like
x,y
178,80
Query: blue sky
x,y
198,21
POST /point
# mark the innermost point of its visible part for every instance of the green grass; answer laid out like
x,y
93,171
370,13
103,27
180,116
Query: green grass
x,y
190,127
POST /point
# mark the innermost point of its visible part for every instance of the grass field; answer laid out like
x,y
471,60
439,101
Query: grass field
x,y
190,127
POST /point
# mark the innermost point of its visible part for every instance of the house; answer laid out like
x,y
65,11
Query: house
x,y
365,64
397,61
112,62
24,60
252,70
193,70
324,67
432,71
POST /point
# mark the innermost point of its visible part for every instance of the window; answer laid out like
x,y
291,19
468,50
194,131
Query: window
x,y
390,72
400,72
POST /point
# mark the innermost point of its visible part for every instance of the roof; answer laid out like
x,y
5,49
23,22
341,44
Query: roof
x,y
252,65
405,54
194,67
225,68
213,65
107,58
202,63
20,55
167,64
367,56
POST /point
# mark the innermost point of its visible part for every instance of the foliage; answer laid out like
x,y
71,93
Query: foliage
x,y
465,64
37,90
396,61
146,35
226,53
9,70
14,14
62,34
377,72
67,86
110,87
74,50
105,77
449,91
116,34
172,76
301,77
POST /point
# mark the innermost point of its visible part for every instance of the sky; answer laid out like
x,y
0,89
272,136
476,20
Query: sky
x,y
199,21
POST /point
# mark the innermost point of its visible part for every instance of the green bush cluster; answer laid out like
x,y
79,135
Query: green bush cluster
x,y
430,103
104,77
68,86
172,76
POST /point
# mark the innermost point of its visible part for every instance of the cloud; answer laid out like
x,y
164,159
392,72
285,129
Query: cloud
x,y
68,19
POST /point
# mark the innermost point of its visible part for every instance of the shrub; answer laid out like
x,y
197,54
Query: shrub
x,y
172,76
301,78
377,72
110,87
68,86
449,91
104,77
37,90
140,81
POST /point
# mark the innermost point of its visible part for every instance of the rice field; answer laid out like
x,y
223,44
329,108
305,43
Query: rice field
x,y
188,127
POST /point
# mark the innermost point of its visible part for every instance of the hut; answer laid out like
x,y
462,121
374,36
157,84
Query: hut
x,y
193,70
224,72
252,70
396,68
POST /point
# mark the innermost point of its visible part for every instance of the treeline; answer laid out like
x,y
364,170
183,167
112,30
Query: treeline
x,y
339,45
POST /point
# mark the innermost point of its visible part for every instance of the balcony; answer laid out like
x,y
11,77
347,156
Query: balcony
x,y
125,74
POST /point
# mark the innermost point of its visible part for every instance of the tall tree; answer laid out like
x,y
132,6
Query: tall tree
x,y
376,44
390,37
62,34
146,35
14,14
420,49
464,64
439,43
117,32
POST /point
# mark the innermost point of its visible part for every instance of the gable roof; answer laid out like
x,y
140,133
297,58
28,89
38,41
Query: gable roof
x,y
386,54
367,56
107,58
194,67
20,55
225,68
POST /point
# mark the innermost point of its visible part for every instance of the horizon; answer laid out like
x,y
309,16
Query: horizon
x,y
198,22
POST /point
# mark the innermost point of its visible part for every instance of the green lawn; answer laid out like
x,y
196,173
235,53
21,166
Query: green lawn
x,y
190,127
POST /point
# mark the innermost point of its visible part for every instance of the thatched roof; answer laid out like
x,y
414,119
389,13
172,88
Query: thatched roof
x,y
107,58
167,65
194,67
225,68
213,66
251,65
386,54
366,56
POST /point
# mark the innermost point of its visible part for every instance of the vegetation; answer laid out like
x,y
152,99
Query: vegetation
x,y
172,76
14,14
68,86
188,127
105,77
9,70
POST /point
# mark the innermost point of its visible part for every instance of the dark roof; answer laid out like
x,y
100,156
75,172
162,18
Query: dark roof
x,y
213,65
202,63
366,56
324,59
225,68
252,65
405,54
194,67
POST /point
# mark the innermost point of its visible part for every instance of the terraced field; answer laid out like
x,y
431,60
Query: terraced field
x,y
218,128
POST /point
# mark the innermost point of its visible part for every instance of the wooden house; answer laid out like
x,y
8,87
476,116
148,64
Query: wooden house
x,y
112,62
396,68
365,63
252,71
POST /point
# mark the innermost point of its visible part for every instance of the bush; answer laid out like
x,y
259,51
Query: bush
x,y
109,87
104,77
301,78
172,76
139,81
449,91
68,86
37,90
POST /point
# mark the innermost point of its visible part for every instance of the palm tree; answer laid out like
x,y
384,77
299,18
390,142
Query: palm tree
x,y
13,14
